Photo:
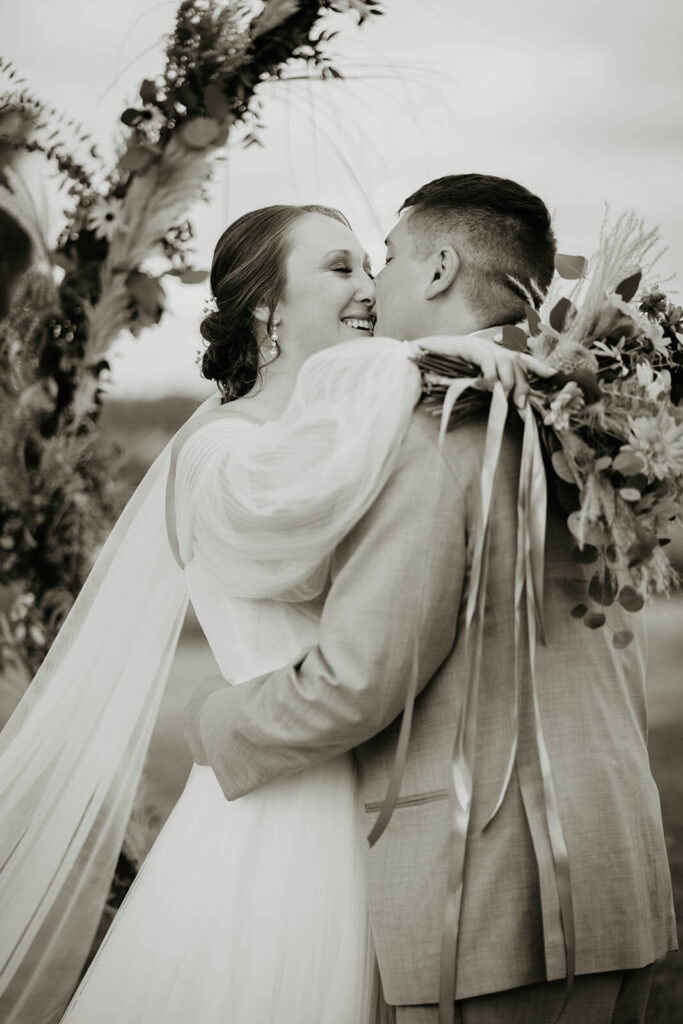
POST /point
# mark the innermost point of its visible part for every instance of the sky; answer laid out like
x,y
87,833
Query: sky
x,y
581,102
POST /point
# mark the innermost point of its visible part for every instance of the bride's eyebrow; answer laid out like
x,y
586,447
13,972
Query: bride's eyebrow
x,y
336,253
346,254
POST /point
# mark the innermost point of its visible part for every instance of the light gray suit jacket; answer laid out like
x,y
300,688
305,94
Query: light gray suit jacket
x,y
348,691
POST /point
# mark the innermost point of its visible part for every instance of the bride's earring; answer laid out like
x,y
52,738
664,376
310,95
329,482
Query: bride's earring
x,y
274,347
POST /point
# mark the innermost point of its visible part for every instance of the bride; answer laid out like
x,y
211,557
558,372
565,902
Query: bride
x,y
254,911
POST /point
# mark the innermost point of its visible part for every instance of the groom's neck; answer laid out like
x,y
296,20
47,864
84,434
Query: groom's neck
x,y
455,321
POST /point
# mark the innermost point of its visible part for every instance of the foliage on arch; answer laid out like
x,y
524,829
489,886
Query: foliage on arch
x,y
62,305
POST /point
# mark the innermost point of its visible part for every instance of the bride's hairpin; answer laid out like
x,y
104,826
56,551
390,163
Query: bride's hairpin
x,y
210,306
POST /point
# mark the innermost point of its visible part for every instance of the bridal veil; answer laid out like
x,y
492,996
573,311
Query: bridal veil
x,y
72,753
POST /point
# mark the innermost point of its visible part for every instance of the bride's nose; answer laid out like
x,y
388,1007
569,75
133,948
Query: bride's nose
x,y
365,292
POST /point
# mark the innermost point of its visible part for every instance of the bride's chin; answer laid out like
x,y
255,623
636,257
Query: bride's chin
x,y
352,332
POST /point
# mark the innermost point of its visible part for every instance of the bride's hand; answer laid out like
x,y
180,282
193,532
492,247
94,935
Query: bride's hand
x,y
494,361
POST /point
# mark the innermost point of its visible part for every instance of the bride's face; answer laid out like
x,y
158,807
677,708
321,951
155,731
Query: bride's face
x,y
329,294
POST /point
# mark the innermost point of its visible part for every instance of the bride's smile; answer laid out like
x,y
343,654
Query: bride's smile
x,y
329,295
364,324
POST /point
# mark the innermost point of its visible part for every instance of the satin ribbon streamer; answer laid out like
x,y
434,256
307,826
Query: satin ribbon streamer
x,y
529,566
454,392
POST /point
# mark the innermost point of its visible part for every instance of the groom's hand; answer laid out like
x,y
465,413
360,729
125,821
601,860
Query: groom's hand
x,y
192,713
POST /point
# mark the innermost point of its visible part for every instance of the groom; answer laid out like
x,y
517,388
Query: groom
x,y
449,262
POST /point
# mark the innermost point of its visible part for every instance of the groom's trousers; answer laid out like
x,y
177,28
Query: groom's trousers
x,y
614,997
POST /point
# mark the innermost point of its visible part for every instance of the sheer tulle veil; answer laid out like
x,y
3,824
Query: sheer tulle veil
x,y
72,753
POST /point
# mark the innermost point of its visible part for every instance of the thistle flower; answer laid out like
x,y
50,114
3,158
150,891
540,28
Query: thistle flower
x,y
570,357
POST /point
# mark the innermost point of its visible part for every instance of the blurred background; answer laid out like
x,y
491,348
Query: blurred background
x,y
581,103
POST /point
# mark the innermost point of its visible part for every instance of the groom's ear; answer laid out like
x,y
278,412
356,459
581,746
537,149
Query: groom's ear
x,y
445,264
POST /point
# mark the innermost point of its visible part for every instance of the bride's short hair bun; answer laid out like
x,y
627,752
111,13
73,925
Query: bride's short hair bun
x,y
248,270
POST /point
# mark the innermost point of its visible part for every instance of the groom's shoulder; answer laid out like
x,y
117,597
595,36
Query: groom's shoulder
x,y
463,449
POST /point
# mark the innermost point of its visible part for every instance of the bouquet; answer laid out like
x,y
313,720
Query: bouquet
x,y
609,420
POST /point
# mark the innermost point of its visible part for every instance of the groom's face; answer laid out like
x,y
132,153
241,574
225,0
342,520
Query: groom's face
x,y
401,307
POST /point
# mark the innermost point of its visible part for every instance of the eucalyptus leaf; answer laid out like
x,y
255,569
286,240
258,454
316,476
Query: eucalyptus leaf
x,y
561,467
514,338
630,599
533,320
585,555
589,384
147,294
603,587
137,158
559,313
199,132
215,102
628,463
639,481
571,267
574,524
591,533
594,620
193,276
567,496
622,639
629,286
641,550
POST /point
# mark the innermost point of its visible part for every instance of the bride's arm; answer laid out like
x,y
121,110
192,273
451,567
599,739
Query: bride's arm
x,y
353,683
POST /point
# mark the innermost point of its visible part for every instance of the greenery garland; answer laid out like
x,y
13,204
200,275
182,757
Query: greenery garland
x,y
56,498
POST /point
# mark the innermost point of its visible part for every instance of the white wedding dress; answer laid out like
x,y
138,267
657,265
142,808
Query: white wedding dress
x,y
254,911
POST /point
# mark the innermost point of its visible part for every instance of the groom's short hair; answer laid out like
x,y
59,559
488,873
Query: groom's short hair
x,y
501,232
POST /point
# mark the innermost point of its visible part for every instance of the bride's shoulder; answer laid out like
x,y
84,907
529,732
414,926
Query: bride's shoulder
x,y
209,434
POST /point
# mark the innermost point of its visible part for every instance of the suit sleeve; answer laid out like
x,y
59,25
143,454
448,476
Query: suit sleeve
x,y
397,580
